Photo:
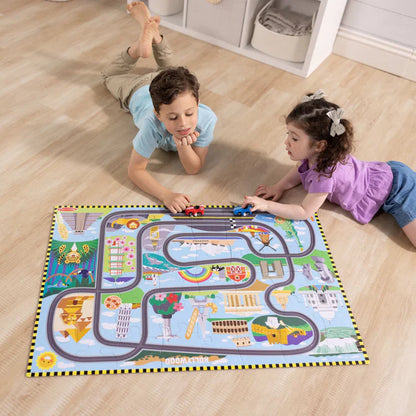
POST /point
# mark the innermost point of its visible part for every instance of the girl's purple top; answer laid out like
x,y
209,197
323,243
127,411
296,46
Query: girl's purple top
x,y
358,187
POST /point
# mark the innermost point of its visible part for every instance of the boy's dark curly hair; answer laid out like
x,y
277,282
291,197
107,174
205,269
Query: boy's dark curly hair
x,y
171,82
311,117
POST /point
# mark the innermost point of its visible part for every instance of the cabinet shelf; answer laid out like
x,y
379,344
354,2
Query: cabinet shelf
x,y
327,20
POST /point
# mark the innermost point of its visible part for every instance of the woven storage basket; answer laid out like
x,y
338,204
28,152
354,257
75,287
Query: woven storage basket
x,y
289,48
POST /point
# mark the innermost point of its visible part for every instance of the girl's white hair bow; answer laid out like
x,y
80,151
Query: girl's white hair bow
x,y
336,127
315,96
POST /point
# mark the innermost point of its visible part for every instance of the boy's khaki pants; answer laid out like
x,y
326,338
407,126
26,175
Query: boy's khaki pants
x,y
122,84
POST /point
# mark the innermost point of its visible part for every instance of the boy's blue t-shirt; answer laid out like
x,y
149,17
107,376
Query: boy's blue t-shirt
x,y
152,132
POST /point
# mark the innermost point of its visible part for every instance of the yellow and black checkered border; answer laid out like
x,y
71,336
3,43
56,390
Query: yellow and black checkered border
x,y
178,369
341,288
198,368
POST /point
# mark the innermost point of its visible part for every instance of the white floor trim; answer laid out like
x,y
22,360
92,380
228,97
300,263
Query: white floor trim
x,y
379,53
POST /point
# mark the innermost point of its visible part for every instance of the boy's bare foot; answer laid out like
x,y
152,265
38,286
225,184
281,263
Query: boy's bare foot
x,y
139,11
142,48
155,29
147,38
150,35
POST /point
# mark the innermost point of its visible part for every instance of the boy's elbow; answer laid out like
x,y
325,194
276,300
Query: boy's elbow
x,y
130,172
133,173
193,170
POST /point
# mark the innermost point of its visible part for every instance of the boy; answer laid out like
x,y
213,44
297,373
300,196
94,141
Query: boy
x,y
167,113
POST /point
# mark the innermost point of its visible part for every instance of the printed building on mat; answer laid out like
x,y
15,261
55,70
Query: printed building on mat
x,y
116,258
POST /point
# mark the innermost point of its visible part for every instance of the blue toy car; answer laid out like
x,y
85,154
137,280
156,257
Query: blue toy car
x,y
240,211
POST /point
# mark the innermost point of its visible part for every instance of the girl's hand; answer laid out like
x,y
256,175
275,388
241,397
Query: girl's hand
x,y
175,202
269,192
191,138
257,204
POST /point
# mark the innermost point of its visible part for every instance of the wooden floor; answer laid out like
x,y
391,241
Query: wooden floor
x,y
64,140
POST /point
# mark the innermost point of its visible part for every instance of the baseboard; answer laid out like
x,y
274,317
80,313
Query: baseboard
x,y
378,53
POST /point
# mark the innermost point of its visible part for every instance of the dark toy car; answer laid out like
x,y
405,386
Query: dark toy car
x,y
240,211
194,210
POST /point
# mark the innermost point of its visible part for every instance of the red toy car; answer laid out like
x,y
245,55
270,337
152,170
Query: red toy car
x,y
194,210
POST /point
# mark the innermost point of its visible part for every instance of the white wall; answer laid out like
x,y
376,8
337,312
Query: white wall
x,y
390,20
380,33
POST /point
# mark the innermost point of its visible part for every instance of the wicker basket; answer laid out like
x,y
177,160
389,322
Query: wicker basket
x,y
289,48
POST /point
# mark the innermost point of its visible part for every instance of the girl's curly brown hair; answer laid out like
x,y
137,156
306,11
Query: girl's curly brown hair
x,y
311,117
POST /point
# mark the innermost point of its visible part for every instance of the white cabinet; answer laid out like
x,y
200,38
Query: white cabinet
x,y
222,21
230,23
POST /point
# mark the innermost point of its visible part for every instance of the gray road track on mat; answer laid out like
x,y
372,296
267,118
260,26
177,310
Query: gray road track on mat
x,y
218,223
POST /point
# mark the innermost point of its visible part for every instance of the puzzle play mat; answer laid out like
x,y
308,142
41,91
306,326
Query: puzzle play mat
x,y
130,289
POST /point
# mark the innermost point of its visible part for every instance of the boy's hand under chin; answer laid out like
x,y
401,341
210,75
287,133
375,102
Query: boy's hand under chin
x,y
187,140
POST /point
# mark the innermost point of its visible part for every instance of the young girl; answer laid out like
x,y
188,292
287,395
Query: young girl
x,y
320,140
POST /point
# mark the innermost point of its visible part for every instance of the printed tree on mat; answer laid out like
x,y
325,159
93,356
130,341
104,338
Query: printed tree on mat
x,y
166,304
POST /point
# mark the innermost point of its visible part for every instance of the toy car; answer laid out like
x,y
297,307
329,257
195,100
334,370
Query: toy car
x,y
194,210
240,211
